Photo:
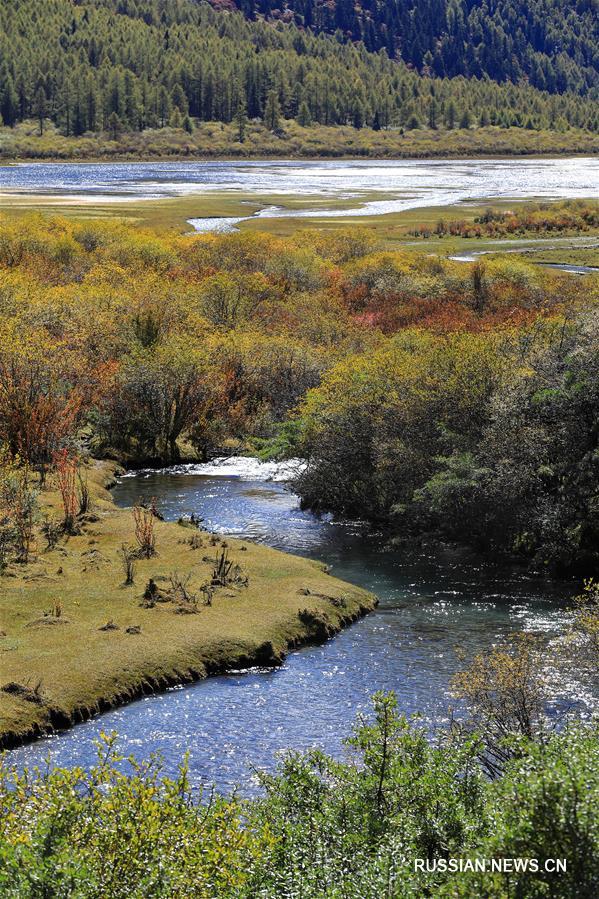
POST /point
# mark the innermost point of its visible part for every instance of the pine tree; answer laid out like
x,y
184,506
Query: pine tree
x,y
432,114
10,101
164,106
40,107
304,117
358,115
450,115
176,119
272,111
241,117
115,126
179,100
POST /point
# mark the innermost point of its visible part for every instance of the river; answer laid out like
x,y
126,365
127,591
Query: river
x,y
375,187
431,603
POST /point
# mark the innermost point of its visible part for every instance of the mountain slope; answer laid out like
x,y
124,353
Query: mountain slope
x,y
121,65
554,44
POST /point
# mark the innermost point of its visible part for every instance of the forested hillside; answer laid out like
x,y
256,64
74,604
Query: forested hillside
x,y
117,65
554,44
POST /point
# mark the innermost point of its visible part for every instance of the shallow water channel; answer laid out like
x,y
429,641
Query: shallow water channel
x,y
430,604
333,188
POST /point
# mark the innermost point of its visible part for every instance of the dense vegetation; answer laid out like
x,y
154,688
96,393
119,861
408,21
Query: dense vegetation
x,y
554,45
118,66
486,438
442,398
324,828
541,218
220,139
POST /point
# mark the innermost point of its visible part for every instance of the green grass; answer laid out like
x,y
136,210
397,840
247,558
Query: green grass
x,y
82,669
570,255
173,213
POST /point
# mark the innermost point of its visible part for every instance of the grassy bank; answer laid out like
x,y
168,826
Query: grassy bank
x,y
221,141
59,662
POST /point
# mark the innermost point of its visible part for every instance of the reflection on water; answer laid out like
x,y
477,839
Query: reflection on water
x,y
429,605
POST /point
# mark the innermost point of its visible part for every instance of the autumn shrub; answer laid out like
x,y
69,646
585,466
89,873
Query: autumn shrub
x,y
568,217
128,557
585,626
66,466
440,398
19,510
486,439
506,693
155,398
145,521
39,402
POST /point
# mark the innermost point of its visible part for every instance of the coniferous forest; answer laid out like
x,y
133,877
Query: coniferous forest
x,y
550,43
120,65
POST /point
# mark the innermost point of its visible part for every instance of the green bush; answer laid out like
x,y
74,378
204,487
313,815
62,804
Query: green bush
x,y
348,829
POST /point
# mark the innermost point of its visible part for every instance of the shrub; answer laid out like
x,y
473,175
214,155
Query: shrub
x,y
145,520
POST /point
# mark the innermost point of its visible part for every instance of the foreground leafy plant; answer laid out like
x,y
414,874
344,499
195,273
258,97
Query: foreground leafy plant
x,y
104,833
348,829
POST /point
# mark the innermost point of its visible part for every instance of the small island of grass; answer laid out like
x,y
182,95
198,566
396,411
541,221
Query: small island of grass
x,y
76,639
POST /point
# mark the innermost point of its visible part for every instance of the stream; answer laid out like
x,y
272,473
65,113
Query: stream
x,y
431,603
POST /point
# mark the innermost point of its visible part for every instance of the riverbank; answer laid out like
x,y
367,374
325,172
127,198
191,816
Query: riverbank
x,y
76,641
215,140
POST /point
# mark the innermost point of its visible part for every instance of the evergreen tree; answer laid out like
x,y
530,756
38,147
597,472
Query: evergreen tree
x,y
40,106
164,106
432,114
10,102
176,119
450,116
304,116
272,111
115,126
241,117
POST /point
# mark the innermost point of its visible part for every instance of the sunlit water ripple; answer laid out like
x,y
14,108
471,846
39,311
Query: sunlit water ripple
x,y
429,605
397,184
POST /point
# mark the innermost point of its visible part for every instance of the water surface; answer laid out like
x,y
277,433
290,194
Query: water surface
x,y
430,604
380,186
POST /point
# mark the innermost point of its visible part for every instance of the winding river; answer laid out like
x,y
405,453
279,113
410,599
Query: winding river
x,y
430,604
